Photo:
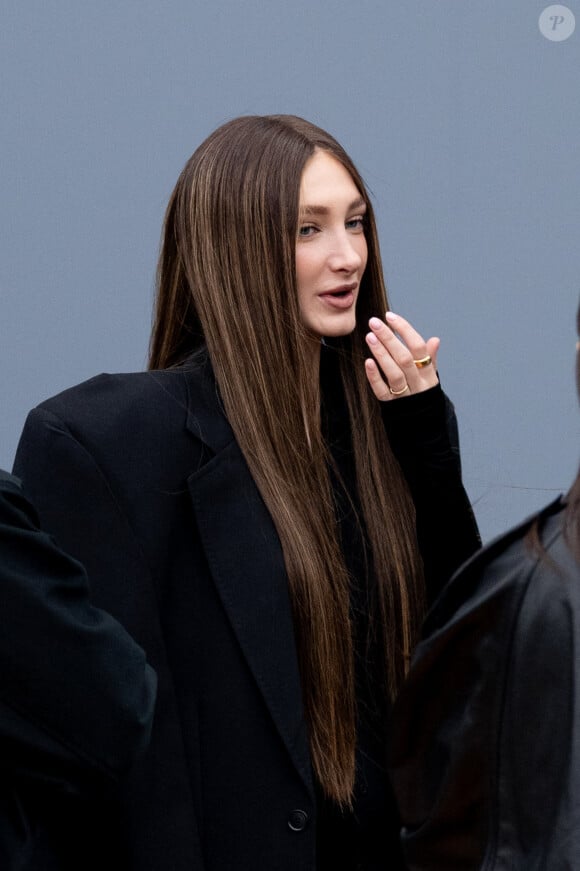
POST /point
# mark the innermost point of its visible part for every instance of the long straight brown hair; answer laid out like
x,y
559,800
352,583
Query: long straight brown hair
x,y
227,280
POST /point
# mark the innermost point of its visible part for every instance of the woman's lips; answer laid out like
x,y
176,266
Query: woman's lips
x,y
340,297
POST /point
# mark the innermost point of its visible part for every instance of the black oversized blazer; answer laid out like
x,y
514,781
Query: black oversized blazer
x,y
140,477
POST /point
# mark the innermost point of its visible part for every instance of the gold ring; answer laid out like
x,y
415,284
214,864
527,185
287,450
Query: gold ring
x,y
424,361
398,392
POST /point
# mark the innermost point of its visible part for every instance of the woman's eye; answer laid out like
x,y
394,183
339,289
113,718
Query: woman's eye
x,y
356,223
306,230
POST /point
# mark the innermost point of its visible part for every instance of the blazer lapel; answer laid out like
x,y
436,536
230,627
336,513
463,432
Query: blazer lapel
x,y
246,562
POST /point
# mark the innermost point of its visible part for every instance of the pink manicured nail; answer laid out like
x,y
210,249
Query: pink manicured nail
x,y
375,323
391,316
372,339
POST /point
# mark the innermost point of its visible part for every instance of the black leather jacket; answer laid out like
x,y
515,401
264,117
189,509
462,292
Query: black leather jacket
x,y
486,740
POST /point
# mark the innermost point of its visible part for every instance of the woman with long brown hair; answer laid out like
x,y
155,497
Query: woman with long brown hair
x,y
485,752
267,512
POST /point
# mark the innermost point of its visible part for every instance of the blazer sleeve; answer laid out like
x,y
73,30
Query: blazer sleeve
x,y
422,430
76,693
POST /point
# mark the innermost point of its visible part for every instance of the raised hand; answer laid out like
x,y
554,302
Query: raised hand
x,y
404,363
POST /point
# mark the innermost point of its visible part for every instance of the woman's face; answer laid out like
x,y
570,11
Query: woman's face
x,y
331,249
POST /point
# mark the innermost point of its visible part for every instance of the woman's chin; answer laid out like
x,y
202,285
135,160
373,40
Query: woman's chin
x,y
333,328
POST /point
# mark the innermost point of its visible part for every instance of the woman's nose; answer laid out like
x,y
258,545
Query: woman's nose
x,y
346,255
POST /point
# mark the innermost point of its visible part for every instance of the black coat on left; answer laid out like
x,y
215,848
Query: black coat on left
x,y
76,694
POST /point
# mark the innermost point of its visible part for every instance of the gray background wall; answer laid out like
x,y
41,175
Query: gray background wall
x,y
463,118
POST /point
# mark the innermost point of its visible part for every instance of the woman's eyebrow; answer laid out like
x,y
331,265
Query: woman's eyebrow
x,y
359,203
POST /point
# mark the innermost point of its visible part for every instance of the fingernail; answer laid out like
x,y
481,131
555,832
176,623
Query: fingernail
x,y
375,323
390,316
372,339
